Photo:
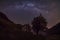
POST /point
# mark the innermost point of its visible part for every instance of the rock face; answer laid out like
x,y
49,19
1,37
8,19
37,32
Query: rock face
x,y
54,30
4,21
3,16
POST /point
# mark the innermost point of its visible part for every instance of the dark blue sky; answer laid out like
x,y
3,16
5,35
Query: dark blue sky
x,y
24,11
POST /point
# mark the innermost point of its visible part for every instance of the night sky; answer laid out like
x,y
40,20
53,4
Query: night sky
x,y
23,11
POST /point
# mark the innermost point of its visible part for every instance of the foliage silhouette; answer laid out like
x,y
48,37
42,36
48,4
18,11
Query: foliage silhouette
x,y
39,23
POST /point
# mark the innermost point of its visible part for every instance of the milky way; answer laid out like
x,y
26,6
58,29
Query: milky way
x,y
22,12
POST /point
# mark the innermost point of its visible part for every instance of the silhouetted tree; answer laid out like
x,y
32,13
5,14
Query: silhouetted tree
x,y
27,27
39,23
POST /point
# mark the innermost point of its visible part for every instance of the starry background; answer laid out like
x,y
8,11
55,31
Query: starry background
x,y
23,11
